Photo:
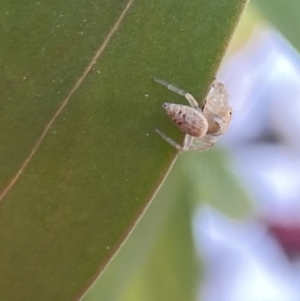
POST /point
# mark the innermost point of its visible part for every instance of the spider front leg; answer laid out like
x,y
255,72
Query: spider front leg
x,y
186,144
189,97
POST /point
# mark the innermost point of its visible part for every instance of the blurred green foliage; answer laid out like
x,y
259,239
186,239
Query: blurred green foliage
x,y
284,15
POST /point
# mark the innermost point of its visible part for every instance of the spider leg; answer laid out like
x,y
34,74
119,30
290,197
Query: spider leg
x,y
204,143
189,97
192,101
170,86
186,145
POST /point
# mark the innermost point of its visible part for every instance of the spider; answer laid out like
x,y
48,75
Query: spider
x,y
201,125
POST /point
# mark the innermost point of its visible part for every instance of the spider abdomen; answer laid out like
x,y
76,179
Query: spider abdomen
x,y
189,120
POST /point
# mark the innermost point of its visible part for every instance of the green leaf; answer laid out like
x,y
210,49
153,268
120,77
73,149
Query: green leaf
x,y
80,159
157,261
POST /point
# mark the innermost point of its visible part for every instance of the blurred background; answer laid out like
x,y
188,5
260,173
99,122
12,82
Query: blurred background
x,y
225,226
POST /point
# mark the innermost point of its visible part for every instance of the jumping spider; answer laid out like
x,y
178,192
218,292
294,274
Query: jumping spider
x,y
201,125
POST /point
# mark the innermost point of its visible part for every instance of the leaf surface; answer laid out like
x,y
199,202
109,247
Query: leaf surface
x,y
80,159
